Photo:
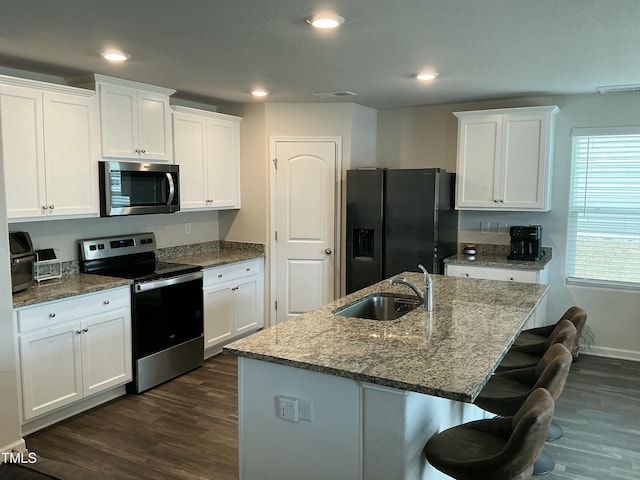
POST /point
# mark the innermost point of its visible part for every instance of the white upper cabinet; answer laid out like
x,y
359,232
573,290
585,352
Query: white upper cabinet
x,y
50,148
135,119
505,159
207,149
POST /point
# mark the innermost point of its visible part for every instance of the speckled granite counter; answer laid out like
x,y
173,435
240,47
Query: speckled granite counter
x,y
449,353
67,286
496,256
227,252
72,283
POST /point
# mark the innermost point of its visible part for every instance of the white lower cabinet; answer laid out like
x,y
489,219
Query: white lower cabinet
x,y
73,348
539,316
233,301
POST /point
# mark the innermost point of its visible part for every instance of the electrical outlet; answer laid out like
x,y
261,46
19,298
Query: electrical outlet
x,y
305,410
288,409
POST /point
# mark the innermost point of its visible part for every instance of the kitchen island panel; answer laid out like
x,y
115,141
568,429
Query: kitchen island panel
x,y
273,449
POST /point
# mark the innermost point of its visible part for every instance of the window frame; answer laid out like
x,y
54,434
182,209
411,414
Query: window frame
x,y
573,229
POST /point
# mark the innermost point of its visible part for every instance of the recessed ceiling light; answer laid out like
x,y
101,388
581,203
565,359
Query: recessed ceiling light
x,y
259,92
425,76
115,56
325,21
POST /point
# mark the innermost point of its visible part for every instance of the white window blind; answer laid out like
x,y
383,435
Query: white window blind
x,y
604,211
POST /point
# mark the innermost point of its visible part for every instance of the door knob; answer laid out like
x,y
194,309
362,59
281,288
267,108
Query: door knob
x,y
327,251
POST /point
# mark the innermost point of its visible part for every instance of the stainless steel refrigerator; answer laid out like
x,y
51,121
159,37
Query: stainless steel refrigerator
x,y
396,219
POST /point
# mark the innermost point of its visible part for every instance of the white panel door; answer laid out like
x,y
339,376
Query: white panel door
x,y
154,127
189,151
524,176
245,305
23,151
478,179
51,368
305,225
106,351
119,121
218,315
71,157
222,176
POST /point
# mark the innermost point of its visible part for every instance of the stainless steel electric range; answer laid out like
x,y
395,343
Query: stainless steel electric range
x,y
166,305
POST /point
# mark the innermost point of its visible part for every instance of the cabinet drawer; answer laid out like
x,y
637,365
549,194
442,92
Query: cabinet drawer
x,y
233,271
487,273
57,312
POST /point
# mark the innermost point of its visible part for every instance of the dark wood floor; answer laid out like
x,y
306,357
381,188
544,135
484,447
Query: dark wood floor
x,y
187,428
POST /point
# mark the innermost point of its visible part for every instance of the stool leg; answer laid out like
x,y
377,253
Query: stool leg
x,y
543,465
555,432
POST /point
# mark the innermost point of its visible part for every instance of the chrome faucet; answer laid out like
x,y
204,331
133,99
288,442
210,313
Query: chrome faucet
x,y
426,296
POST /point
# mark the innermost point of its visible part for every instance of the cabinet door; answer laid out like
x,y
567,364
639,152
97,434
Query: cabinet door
x,y
247,305
154,127
118,122
51,368
23,151
71,160
223,169
106,351
524,174
218,314
189,144
479,157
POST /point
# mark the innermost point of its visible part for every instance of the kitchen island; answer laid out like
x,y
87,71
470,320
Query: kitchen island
x,y
370,393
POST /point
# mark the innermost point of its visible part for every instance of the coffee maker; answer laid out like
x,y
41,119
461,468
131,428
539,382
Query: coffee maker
x,y
525,243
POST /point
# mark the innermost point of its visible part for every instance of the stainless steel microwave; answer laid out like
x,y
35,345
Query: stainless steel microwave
x,y
132,188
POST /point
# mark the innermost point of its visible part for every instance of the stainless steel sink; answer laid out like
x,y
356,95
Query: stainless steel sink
x,y
379,306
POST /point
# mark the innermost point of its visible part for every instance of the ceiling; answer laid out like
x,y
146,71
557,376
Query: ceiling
x,y
218,50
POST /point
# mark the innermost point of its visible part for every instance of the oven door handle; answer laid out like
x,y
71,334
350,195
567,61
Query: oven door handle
x,y
166,282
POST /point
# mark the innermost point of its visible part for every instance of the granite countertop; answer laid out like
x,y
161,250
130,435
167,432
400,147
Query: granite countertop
x,y
67,286
73,283
219,257
495,256
450,352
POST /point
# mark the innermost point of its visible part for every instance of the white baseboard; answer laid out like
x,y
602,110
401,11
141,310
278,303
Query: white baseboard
x,y
17,446
611,353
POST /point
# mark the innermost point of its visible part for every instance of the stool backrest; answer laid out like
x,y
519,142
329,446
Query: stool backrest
x,y
530,427
553,369
564,333
578,317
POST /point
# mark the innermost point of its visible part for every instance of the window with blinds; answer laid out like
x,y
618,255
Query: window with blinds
x,y
604,212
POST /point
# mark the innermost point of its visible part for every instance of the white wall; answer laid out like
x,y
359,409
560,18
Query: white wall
x,y
63,235
249,224
427,136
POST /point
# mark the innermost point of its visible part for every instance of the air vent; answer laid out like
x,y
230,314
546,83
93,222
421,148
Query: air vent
x,y
619,89
334,94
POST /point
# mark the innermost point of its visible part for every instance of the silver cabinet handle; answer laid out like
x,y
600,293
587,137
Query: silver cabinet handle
x,y
52,315
78,332
106,302
85,330
51,207
327,251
